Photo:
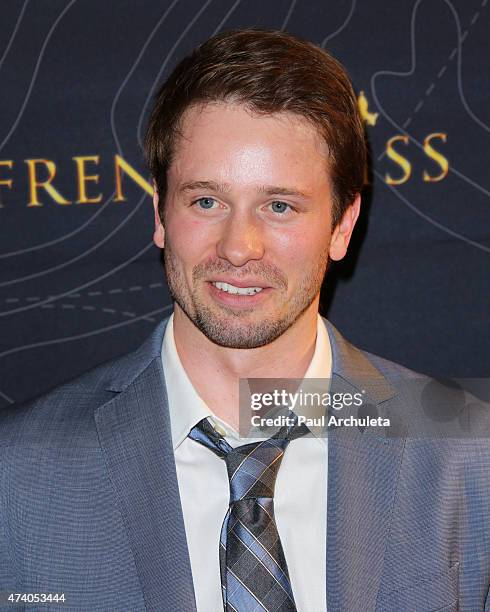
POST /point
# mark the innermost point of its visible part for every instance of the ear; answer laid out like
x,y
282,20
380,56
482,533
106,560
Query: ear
x,y
159,233
343,231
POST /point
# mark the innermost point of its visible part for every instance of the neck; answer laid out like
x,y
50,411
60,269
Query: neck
x,y
215,370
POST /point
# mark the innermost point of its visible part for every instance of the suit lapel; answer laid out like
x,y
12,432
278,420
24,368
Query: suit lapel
x,y
363,468
134,433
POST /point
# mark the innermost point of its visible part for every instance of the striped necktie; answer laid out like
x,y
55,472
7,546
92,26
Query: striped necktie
x,y
254,574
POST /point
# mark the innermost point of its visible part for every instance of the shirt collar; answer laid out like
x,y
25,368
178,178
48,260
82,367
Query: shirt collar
x,y
320,368
187,408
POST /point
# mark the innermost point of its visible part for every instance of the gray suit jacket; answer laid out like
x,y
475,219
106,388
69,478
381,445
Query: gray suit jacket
x,y
89,502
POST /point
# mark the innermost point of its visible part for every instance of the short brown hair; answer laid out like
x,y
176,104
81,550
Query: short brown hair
x,y
269,72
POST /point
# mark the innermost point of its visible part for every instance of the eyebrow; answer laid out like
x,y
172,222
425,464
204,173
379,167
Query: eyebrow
x,y
273,190
226,188
211,185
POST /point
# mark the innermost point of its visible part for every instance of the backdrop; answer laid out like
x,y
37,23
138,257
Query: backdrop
x,y
81,281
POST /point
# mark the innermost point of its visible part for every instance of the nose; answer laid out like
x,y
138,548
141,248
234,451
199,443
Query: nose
x,y
241,240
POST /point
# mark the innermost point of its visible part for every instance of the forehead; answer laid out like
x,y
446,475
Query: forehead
x,y
232,142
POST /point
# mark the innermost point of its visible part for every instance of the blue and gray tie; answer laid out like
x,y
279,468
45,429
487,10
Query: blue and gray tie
x,y
254,574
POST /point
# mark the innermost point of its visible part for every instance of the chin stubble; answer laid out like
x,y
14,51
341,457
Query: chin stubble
x,y
229,328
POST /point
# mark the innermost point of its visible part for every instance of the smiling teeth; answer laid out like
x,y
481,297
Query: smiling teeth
x,y
239,290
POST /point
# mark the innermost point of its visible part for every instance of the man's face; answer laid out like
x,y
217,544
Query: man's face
x,y
247,225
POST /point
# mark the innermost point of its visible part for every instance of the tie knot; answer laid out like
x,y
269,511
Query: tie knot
x,y
252,468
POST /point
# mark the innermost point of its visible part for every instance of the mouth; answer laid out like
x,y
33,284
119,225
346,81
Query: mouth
x,y
237,297
234,290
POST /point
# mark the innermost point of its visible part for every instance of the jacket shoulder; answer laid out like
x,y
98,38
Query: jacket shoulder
x,y
393,370
65,415
446,411
52,417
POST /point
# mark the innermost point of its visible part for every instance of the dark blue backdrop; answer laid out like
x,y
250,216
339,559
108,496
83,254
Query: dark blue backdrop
x,y
81,281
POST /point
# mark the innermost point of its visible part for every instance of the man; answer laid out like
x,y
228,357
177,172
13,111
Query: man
x,y
116,486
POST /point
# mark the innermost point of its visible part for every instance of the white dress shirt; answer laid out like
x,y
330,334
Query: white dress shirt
x,y
300,497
